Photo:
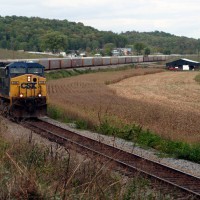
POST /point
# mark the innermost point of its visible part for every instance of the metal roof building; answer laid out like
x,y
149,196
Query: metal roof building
x,y
183,64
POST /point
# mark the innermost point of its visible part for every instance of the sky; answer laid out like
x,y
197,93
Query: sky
x,y
178,17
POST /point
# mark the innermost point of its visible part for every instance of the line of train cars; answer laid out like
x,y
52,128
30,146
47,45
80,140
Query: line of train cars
x,y
23,85
75,62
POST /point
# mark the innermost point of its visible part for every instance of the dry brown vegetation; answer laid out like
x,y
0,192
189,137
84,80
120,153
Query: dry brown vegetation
x,y
34,168
9,54
166,103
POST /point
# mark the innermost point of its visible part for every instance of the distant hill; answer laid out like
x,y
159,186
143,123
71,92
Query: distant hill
x,y
38,34
32,33
164,42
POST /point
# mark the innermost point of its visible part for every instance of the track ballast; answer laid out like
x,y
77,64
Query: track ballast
x,y
130,163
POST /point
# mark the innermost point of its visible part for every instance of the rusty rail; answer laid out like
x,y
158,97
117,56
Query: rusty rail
x,y
130,162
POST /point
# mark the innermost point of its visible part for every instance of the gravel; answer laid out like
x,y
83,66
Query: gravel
x,y
151,154
15,131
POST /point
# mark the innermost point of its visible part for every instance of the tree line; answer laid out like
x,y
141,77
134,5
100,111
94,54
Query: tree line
x,y
162,42
38,34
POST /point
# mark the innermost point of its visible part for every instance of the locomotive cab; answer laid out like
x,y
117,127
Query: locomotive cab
x,y
23,90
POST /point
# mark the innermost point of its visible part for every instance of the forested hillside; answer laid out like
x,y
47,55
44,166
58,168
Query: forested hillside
x,y
38,34
164,42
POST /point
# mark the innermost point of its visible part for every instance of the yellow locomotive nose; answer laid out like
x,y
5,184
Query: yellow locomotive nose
x,y
28,86
23,91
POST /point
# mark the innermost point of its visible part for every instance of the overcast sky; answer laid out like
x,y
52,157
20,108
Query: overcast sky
x,y
178,17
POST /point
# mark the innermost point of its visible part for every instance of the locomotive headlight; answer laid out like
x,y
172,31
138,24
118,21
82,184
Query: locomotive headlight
x,y
29,78
21,95
39,95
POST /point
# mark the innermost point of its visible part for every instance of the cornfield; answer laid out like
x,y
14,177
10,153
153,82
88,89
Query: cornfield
x,y
167,103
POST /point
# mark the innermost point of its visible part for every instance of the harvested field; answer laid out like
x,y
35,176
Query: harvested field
x,y
166,103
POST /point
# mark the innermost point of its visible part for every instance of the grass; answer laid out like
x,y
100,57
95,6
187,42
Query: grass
x,y
30,170
197,78
58,114
63,74
9,54
89,103
90,97
136,134
53,75
146,138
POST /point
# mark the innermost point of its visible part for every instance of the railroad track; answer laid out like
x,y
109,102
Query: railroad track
x,y
132,164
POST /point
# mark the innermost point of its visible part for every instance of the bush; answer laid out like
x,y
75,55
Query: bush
x,y
146,138
54,112
137,134
81,124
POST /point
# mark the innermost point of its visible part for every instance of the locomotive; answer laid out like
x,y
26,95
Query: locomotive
x,y
23,91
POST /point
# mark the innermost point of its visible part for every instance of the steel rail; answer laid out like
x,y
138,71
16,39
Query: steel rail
x,y
126,160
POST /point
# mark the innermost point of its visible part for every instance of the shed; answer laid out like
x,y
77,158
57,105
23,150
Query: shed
x,y
183,64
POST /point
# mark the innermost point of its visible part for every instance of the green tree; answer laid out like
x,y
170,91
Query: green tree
x,y
167,52
139,47
88,50
54,41
29,34
147,51
108,48
198,47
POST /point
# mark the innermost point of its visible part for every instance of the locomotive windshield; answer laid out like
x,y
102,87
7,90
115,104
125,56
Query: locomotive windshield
x,y
35,70
18,70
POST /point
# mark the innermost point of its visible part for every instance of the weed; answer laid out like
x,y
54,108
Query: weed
x,y
81,124
57,114
37,171
146,138
54,112
135,133
197,78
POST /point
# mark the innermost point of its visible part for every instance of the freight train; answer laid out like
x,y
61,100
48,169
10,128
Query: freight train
x,y
75,62
22,90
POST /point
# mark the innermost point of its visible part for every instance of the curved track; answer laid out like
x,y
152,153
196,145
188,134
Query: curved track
x,y
130,163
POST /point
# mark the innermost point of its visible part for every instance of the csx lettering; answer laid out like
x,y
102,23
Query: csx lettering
x,y
28,85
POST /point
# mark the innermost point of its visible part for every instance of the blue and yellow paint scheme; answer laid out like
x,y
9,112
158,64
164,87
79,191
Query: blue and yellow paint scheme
x,y
23,91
